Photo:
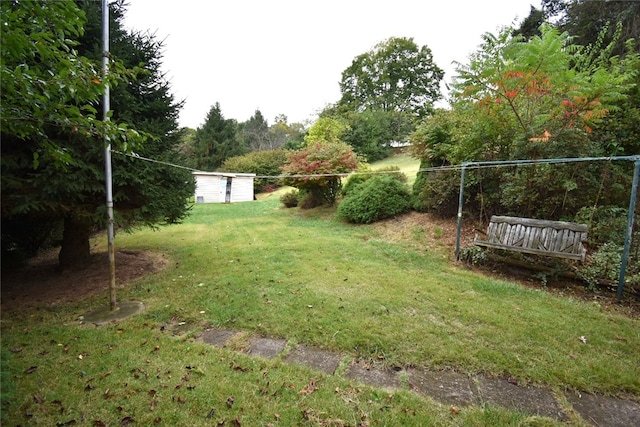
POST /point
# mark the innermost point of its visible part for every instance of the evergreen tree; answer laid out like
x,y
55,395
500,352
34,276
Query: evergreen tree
x,y
255,133
216,140
72,192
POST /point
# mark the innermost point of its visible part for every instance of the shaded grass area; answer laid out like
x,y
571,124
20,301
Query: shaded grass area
x,y
310,279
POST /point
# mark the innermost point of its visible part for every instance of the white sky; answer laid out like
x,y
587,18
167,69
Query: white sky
x,y
287,56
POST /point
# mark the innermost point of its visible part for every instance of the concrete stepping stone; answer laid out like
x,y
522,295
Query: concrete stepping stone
x,y
446,387
265,347
218,337
605,411
450,388
374,375
320,360
531,400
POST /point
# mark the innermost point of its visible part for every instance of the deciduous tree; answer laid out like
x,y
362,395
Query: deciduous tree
x,y
396,75
318,166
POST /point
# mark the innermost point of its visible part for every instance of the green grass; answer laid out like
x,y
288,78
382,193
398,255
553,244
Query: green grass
x,y
306,277
406,163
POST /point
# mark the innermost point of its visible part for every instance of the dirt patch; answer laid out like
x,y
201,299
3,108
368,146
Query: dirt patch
x,y
41,284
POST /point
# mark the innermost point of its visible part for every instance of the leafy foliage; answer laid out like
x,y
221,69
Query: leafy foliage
x,y
317,168
396,75
365,173
290,199
47,87
53,164
377,198
518,99
371,132
262,163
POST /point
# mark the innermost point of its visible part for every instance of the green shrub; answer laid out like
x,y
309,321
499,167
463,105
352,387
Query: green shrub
x,y
604,264
365,173
377,198
262,163
353,182
290,199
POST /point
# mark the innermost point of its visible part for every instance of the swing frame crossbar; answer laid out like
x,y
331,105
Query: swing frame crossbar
x,y
632,201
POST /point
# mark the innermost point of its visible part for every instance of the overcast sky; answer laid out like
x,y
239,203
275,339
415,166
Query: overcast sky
x,y
287,56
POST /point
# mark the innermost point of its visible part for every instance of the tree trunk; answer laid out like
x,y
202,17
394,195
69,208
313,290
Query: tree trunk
x,y
75,253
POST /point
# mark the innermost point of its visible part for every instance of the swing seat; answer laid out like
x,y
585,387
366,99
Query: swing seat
x,y
535,236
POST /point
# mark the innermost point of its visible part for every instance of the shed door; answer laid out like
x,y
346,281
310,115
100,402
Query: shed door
x,y
227,192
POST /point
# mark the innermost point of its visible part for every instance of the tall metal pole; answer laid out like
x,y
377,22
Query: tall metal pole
x,y
627,239
460,203
107,158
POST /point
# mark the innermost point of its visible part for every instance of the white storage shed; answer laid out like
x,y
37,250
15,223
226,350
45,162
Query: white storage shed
x,y
223,187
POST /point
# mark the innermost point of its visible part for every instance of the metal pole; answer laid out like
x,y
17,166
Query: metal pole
x,y
460,202
627,239
107,157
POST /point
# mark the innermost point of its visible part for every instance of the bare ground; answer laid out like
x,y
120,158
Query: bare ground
x,y
40,284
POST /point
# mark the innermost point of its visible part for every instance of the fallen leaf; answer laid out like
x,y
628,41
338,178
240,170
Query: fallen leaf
x,y
98,423
37,398
211,413
239,368
308,389
31,370
454,410
583,339
125,421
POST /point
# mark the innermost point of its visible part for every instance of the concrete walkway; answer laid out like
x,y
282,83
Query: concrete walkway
x,y
448,388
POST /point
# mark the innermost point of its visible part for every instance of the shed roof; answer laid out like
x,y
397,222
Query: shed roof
x,y
225,174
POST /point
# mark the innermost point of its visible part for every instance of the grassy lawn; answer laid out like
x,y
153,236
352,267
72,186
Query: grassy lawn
x,y
406,163
303,276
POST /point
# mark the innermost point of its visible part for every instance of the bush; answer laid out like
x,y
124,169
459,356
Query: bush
x,y
290,199
262,163
604,264
318,168
364,175
377,198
